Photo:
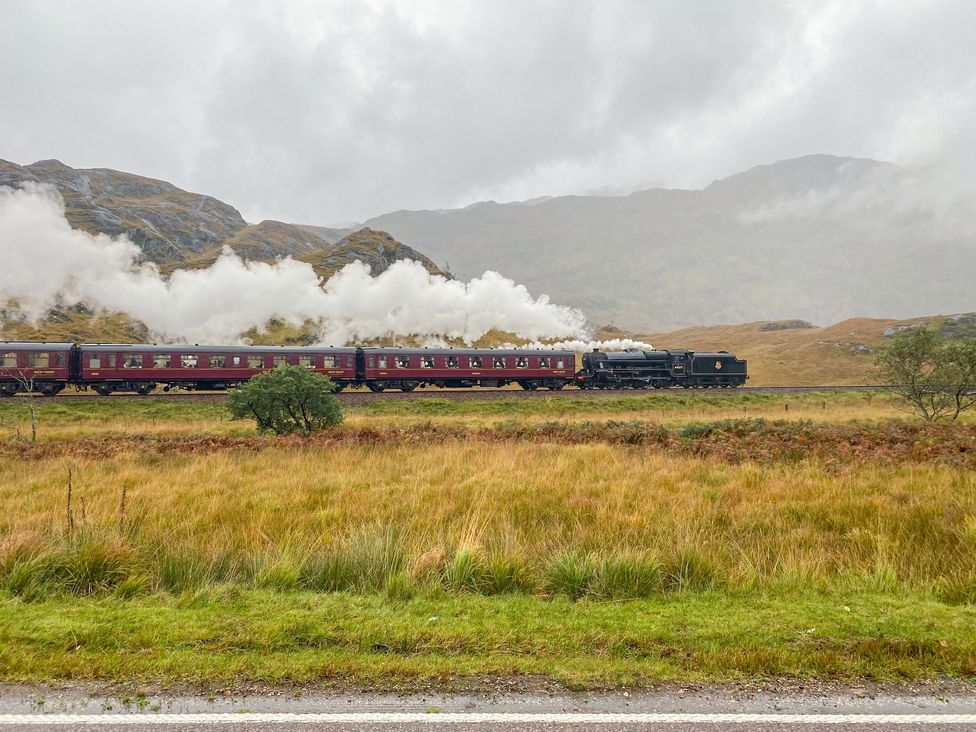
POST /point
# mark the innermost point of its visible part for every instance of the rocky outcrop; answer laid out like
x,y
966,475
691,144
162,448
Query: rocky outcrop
x,y
771,325
377,249
960,326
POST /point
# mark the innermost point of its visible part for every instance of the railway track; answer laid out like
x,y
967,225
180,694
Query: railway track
x,y
364,396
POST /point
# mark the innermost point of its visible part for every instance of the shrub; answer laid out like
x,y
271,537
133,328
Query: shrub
x,y
286,400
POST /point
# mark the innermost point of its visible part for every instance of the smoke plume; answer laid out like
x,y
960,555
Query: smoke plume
x,y
46,261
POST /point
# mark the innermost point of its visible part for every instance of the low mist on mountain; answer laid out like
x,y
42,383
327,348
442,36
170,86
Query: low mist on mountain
x,y
820,238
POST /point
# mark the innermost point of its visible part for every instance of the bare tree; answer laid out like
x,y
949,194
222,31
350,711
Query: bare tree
x,y
935,377
26,383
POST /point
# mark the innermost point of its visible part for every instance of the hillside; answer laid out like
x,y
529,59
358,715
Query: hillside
x,y
820,238
786,353
178,229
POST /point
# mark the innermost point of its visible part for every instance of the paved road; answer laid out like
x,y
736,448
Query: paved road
x,y
494,722
711,710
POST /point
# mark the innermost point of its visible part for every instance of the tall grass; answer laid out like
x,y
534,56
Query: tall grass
x,y
597,521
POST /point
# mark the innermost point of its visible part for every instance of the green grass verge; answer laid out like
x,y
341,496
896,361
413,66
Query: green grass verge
x,y
108,410
671,401
175,411
238,637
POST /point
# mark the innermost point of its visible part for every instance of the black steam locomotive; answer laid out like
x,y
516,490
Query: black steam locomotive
x,y
636,369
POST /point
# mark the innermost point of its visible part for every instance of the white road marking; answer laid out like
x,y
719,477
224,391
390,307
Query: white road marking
x,y
477,718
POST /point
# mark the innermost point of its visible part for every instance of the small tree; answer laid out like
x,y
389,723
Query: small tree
x,y
286,400
26,383
936,377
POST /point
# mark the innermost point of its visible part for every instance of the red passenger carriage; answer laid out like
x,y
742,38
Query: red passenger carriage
x,y
408,368
39,367
109,368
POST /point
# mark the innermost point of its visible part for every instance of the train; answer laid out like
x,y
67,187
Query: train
x,y
47,368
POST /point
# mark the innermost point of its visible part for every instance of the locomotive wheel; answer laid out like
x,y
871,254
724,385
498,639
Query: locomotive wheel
x,y
556,386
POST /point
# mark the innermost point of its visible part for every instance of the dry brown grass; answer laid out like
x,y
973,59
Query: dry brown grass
x,y
267,515
804,356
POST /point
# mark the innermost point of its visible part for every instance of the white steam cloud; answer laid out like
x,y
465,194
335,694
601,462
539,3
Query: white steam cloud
x,y
45,261
581,345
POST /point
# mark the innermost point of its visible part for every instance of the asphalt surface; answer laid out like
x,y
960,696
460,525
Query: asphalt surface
x,y
715,709
518,726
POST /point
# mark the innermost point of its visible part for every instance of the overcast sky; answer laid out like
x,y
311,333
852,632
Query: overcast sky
x,y
326,112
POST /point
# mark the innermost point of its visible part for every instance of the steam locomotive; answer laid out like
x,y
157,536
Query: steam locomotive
x,y
47,368
636,369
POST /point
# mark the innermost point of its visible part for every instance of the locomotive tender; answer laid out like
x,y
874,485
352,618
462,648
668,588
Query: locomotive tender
x,y
47,368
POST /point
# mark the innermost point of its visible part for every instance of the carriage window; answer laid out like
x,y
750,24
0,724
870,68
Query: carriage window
x,y
521,362
330,362
382,362
403,362
560,364
38,360
306,361
280,360
218,362
543,362
452,362
94,361
255,362
162,361
132,361
10,360
476,362
427,362
348,362
371,361
110,360
498,362
236,361
189,360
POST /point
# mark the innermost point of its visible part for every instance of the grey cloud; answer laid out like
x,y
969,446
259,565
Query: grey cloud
x,y
333,111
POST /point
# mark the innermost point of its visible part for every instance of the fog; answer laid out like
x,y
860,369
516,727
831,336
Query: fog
x,y
331,111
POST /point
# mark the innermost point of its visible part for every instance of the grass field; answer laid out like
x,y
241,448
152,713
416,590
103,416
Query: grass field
x,y
61,420
653,537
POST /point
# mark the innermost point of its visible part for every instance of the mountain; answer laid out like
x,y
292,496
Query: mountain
x,y
178,229
820,238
